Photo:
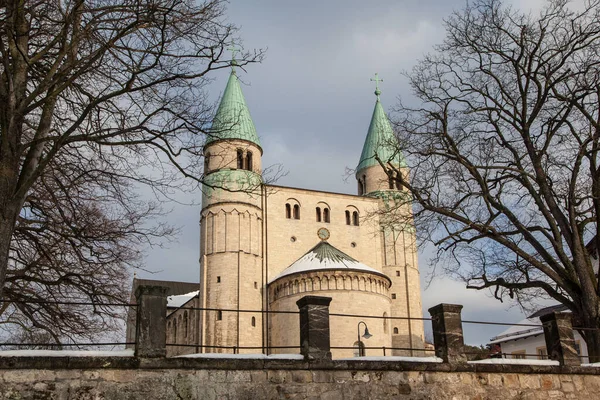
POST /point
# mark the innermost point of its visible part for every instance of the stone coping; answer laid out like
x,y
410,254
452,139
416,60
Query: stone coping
x,y
61,363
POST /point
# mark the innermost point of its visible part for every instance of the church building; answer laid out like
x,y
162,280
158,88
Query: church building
x,y
264,246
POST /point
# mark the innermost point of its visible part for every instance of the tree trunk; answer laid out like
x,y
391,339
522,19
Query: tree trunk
x,y
6,230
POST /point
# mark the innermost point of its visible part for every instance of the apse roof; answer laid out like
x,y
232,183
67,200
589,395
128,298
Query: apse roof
x,y
325,257
233,120
380,141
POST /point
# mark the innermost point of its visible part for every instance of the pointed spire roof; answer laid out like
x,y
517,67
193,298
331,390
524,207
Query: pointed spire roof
x,y
233,120
380,140
325,257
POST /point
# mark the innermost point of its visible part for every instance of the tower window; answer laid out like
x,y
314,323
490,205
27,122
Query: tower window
x,y
255,285
296,211
347,217
318,214
355,218
397,273
219,315
253,321
395,331
249,161
288,211
360,188
240,159
359,349
218,279
326,215
364,182
393,296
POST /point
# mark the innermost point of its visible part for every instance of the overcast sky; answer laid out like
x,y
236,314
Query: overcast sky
x,y
311,101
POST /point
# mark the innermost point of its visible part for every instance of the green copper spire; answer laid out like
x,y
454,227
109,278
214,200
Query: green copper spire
x,y
233,120
380,139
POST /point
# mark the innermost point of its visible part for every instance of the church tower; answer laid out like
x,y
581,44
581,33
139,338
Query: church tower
x,y
231,250
397,232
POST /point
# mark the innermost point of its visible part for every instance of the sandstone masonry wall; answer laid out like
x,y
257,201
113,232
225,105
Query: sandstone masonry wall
x,y
130,378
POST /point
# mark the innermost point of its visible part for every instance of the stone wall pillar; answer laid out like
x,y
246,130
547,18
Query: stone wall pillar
x,y
151,332
448,333
314,327
560,343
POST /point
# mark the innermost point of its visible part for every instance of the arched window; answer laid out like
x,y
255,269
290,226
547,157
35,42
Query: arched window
x,y
395,331
364,182
318,214
296,211
385,323
219,315
175,330
249,161
355,218
359,349
206,162
288,211
347,217
240,159
185,324
253,321
360,187
326,215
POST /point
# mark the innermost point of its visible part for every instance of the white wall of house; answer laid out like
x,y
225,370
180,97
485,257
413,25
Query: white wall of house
x,y
531,345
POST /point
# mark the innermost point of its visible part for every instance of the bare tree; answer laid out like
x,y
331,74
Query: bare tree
x,y
97,98
503,151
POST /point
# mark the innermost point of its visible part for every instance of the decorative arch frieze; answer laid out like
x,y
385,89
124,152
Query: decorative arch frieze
x,y
338,280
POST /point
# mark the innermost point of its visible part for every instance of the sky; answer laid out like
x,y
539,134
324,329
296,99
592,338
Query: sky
x,y
311,100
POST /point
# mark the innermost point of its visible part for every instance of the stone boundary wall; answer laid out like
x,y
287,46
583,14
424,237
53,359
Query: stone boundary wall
x,y
133,378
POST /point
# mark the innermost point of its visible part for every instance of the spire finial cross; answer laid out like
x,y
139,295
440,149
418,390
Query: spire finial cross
x,y
233,49
377,80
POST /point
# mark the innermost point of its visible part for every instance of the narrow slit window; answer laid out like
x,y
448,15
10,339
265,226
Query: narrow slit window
x,y
206,162
347,217
296,211
240,159
364,184
326,215
185,324
253,321
219,315
360,187
318,214
218,279
355,218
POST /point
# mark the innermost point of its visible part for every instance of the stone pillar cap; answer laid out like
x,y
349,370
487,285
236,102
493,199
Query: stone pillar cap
x,y
152,290
556,315
445,307
313,301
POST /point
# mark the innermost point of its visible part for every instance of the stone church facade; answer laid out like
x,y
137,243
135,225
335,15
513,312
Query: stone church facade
x,y
263,247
